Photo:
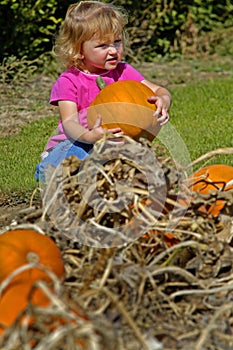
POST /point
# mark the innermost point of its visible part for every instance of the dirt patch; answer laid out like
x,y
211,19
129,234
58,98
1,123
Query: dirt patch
x,y
23,103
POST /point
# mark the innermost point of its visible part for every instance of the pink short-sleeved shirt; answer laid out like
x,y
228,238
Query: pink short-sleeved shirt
x,y
81,88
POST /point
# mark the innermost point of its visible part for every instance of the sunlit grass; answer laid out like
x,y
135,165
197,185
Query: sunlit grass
x,y
201,114
21,153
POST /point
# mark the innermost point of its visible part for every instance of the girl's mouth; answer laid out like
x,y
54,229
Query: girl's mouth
x,y
112,60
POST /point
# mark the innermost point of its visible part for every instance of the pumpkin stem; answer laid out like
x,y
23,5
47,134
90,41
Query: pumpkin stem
x,y
33,258
100,83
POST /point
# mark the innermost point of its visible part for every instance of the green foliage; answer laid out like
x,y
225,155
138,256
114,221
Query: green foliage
x,y
156,28
167,28
27,27
16,70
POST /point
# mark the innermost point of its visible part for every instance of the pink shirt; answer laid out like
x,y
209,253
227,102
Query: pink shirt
x,y
81,88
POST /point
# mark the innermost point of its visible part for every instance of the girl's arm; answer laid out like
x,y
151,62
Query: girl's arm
x,y
162,100
72,127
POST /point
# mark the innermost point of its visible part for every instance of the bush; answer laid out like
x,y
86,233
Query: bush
x,y
27,27
168,28
156,28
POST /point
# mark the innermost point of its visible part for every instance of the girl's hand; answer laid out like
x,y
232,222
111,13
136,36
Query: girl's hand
x,y
162,99
97,132
70,122
162,106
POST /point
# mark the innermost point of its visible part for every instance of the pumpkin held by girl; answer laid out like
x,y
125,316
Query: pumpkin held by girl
x,y
124,104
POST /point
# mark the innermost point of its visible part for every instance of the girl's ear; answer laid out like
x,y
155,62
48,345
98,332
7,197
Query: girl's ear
x,y
80,56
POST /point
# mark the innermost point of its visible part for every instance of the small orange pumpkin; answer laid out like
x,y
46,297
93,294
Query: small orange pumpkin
x,y
124,104
14,300
20,247
211,178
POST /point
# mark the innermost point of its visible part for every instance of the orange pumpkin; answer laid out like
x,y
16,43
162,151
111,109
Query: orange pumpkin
x,y
211,178
14,300
20,247
124,104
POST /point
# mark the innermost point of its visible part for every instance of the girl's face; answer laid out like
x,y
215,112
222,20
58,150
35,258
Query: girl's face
x,y
100,56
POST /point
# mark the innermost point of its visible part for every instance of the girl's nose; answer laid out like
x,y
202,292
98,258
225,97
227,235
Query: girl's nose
x,y
112,48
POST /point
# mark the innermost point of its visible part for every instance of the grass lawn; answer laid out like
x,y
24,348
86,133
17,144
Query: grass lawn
x,y
20,154
201,116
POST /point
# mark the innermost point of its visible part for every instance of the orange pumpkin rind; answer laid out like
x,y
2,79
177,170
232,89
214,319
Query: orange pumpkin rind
x,y
124,104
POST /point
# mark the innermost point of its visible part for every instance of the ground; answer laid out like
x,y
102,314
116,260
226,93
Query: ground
x,y
161,291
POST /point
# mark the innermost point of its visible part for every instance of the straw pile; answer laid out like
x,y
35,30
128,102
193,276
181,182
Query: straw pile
x,y
143,271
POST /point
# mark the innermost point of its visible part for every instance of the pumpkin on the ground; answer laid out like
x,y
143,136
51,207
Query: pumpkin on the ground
x,y
21,247
216,177
13,305
124,104
14,300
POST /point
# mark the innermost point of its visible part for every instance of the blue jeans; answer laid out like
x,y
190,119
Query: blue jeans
x,y
61,151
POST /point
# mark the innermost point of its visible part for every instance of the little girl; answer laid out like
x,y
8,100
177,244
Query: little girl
x,y
90,44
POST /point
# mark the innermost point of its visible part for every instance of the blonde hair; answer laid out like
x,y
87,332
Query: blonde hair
x,y
84,20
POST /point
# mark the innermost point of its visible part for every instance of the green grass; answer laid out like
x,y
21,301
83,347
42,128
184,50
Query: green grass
x,y
201,114
21,153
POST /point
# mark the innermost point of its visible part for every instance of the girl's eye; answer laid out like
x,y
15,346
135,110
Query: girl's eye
x,y
105,45
118,42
